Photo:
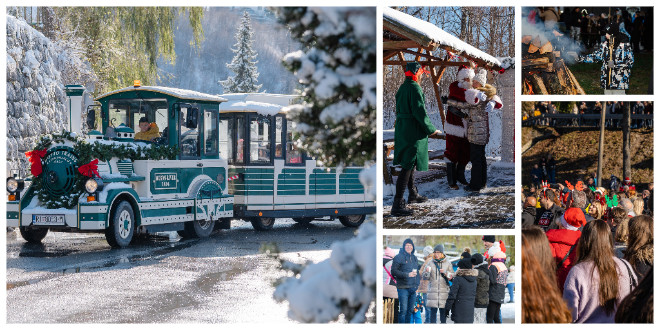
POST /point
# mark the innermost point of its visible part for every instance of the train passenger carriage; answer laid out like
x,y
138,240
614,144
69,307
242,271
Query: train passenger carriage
x,y
196,162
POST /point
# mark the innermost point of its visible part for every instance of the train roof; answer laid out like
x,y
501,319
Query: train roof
x,y
183,94
263,103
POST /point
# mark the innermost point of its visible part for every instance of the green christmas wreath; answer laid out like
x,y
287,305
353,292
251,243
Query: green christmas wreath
x,y
86,152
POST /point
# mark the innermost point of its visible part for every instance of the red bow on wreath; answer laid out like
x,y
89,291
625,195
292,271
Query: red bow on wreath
x,y
35,159
90,169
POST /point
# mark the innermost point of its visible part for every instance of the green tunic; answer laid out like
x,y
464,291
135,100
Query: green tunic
x,y
412,127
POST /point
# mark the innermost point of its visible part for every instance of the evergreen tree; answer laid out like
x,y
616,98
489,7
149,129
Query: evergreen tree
x,y
244,63
337,71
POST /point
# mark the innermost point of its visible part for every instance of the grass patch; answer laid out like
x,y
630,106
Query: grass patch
x,y
588,75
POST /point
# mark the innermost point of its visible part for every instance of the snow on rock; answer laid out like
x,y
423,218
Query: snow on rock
x,y
343,284
436,34
37,70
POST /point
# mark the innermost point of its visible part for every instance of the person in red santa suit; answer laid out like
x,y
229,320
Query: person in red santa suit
x,y
458,147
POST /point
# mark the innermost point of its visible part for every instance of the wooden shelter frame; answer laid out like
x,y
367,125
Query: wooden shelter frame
x,y
398,40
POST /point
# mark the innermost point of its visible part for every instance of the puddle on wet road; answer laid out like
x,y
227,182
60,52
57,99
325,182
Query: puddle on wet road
x,y
36,251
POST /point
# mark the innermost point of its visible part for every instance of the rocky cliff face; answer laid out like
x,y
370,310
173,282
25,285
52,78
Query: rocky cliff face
x,y
35,89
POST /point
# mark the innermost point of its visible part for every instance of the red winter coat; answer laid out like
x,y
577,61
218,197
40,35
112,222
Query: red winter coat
x,y
561,241
458,147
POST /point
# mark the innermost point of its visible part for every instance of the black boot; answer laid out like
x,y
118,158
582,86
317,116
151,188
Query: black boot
x,y
399,208
451,175
415,197
459,172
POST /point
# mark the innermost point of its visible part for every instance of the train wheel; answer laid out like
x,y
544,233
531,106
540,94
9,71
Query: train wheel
x,y
262,224
303,221
122,226
33,235
198,229
352,220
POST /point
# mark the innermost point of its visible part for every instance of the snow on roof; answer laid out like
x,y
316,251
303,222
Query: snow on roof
x,y
436,35
262,103
176,92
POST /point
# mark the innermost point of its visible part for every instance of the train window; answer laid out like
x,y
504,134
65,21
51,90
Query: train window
x,y
226,135
118,113
188,138
210,133
240,138
293,155
279,150
260,139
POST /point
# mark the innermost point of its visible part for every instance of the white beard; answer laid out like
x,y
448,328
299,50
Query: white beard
x,y
465,84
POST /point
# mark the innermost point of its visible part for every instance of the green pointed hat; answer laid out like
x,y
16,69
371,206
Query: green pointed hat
x,y
413,67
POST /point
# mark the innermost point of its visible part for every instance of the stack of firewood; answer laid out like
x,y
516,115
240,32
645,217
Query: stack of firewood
x,y
544,71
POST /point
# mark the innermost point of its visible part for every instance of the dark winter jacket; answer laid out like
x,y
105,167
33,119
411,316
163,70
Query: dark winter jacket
x,y
561,241
497,284
404,263
528,216
462,295
537,175
483,284
546,217
412,127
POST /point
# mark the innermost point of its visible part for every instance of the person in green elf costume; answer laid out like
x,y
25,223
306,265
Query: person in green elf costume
x,y
411,131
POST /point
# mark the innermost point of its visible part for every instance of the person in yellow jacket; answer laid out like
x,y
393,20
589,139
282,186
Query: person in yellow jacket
x,y
148,131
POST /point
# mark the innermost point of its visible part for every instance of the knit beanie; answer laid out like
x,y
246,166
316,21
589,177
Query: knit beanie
x,y
427,250
488,238
439,248
477,259
465,263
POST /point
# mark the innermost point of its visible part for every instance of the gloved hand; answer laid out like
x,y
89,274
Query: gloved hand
x,y
444,99
446,312
610,64
490,106
482,96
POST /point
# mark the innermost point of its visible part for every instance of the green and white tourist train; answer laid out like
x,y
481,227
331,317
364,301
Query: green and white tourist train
x,y
196,162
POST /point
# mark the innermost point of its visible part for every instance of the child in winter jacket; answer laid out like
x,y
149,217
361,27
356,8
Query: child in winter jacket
x,y
462,293
498,275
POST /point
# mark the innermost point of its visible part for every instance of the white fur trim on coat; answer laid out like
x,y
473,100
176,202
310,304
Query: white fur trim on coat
x,y
455,130
471,96
498,101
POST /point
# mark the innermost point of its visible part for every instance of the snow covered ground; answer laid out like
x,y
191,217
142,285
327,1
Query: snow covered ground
x,y
493,207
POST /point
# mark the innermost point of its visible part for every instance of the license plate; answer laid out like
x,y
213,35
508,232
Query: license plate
x,y
47,220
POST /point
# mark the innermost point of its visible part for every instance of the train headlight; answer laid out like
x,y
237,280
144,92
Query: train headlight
x,y
93,184
14,185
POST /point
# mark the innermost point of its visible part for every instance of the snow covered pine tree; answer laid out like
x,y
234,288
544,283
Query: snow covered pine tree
x,y
244,63
337,123
337,71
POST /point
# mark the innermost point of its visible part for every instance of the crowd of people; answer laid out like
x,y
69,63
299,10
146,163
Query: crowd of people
x,y
472,292
540,109
588,28
588,252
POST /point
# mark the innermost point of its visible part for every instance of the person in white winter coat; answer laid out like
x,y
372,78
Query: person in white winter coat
x,y
439,272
